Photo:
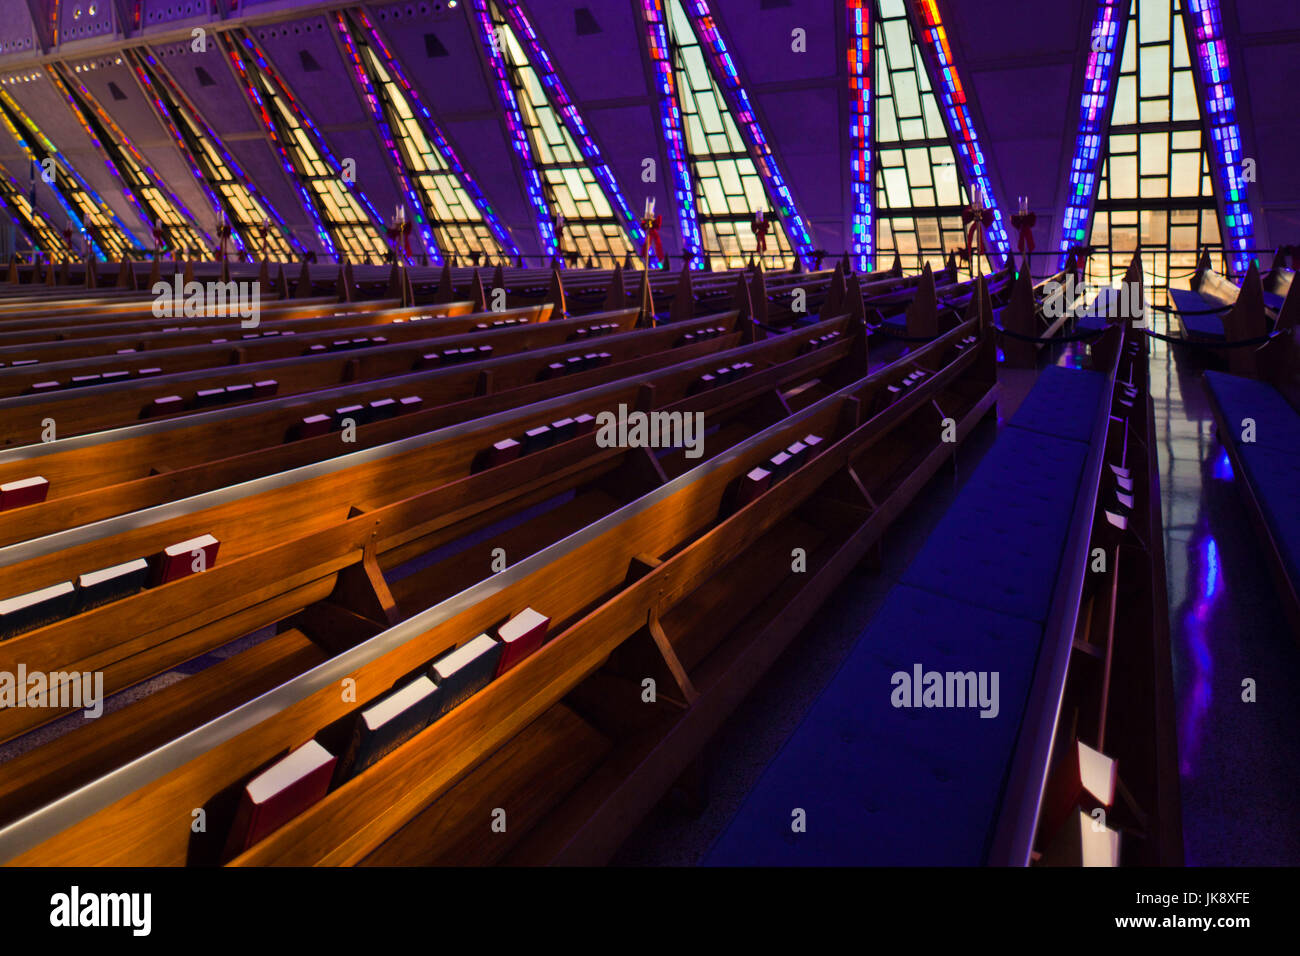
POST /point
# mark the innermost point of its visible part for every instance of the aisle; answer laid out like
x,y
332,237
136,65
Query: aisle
x,y
1239,762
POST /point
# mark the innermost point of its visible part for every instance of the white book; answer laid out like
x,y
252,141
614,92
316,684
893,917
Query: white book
x,y
1097,773
308,758
22,484
1099,844
398,702
23,601
190,546
519,625
108,574
463,656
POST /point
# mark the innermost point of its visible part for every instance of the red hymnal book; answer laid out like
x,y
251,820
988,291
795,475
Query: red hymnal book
x,y
178,560
522,635
280,793
314,425
506,450
1084,780
752,485
26,491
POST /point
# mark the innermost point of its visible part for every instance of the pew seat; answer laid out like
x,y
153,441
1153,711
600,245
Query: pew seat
x,y
1062,403
1269,466
1192,307
893,786
1277,423
1000,542
887,785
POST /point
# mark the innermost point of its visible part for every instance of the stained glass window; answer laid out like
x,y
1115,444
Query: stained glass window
x,y
919,187
1155,186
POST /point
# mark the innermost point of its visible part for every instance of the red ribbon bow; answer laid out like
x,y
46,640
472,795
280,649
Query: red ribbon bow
x,y
760,233
1024,224
158,241
974,220
652,227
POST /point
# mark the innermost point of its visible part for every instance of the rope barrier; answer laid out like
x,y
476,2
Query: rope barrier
x,y
1195,343
1076,337
1173,309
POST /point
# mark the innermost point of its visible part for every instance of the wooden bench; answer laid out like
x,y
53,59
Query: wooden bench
x,y
580,575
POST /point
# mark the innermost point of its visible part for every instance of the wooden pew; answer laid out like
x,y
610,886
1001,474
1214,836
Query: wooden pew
x,y
582,579
1117,709
149,633
1036,312
86,409
202,452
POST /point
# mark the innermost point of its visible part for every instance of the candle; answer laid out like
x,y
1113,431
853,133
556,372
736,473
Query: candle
x,y
649,206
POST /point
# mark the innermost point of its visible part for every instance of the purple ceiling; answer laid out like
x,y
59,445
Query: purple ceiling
x,y
1020,59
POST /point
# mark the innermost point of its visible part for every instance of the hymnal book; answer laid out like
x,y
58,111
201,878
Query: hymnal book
x,y
520,637
36,609
564,429
506,450
1085,779
464,671
278,794
314,425
388,723
382,408
798,453
752,485
182,559
355,412
25,491
206,397
584,423
42,387
779,465
112,584
812,442
535,439
1083,841
164,405
411,403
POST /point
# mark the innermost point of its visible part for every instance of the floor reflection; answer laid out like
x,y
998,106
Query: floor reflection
x,y
1239,762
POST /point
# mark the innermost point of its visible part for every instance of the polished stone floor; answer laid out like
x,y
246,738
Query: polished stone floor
x,y
1239,762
